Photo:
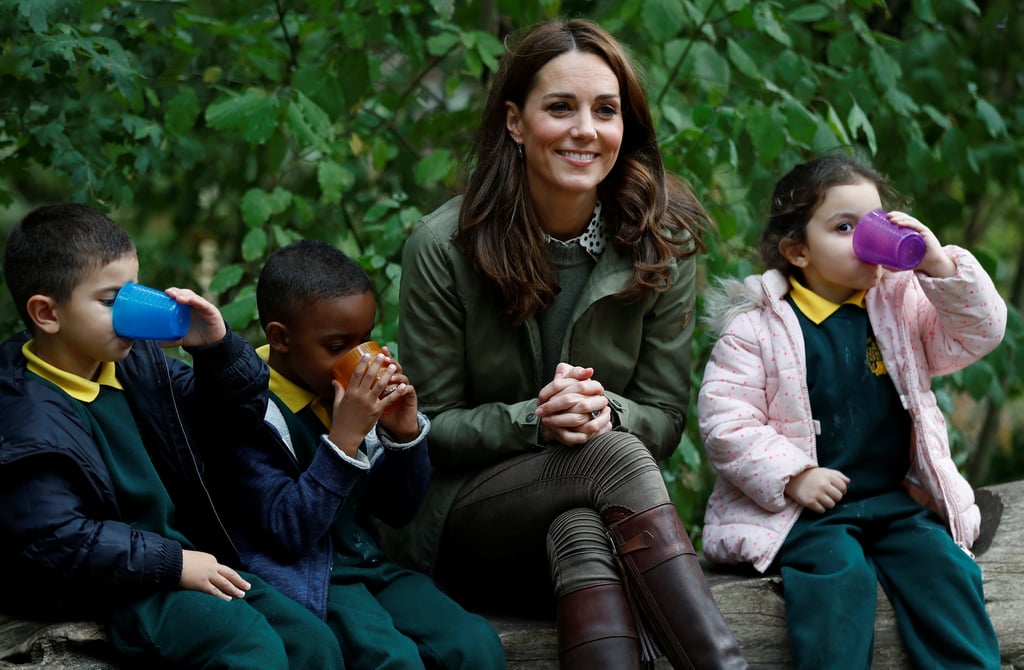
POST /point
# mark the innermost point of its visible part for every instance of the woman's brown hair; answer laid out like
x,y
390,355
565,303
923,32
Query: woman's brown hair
x,y
654,215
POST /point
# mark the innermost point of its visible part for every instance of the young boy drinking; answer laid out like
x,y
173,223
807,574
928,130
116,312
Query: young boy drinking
x,y
104,513
328,460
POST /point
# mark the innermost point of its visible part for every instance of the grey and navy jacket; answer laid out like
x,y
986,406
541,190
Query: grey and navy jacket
x,y
283,518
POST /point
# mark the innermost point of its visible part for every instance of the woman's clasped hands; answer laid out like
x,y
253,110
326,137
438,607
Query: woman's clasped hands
x,y
572,407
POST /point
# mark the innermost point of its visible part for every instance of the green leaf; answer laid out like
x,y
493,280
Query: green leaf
x,y
254,244
333,180
141,128
442,43
674,115
36,12
254,115
474,64
990,116
956,151
885,68
858,120
304,131
182,111
836,124
444,8
924,10
809,13
766,133
980,381
64,45
490,48
768,23
227,277
743,62
842,50
689,453
379,209
901,103
241,311
800,123
702,115
435,167
354,75
663,19
712,72
919,158
938,117
382,150
258,206
117,64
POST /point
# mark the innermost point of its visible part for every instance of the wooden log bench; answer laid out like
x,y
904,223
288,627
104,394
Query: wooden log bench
x,y
752,605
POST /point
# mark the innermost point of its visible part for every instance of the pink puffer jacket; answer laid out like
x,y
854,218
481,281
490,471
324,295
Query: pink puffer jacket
x,y
755,415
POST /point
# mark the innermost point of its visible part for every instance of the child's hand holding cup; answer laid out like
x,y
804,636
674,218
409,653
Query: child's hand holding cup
x,y
346,365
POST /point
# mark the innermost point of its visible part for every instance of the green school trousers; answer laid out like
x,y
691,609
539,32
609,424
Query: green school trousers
x,y
389,618
189,629
832,563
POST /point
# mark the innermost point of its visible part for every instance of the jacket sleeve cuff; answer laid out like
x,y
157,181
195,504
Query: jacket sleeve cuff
x,y
171,564
360,460
388,442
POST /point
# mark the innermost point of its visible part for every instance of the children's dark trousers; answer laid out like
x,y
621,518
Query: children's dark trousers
x,y
387,617
190,629
831,566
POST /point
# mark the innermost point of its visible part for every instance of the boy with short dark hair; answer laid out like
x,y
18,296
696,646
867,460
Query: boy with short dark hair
x,y
332,458
104,511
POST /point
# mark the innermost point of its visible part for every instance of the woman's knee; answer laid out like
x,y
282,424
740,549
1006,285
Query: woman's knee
x,y
579,552
610,459
625,471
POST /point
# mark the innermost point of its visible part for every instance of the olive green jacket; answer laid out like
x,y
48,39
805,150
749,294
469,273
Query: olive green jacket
x,y
477,375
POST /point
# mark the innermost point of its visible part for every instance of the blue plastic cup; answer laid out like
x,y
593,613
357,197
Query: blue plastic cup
x,y
144,313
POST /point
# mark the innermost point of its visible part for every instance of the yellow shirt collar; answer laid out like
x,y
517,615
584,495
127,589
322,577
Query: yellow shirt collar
x,y
816,308
77,387
294,397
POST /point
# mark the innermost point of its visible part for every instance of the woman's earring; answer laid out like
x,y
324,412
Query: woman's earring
x,y
519,150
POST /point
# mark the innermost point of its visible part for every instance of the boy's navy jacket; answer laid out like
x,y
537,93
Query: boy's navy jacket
x,y
281,518
64,552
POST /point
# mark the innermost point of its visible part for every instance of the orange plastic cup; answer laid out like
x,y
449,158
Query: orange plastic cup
x,y
346,365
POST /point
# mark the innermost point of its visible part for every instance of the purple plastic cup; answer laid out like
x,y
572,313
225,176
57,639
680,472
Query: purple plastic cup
x,y
879,241
144,313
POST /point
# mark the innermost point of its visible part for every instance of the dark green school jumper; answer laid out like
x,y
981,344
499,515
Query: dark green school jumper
x,y
386,616
263,631
831,563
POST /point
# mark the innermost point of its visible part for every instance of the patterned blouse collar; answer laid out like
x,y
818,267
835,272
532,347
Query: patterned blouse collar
x,y
594,238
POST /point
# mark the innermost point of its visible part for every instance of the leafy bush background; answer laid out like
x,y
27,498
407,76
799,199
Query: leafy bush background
x,y
218,131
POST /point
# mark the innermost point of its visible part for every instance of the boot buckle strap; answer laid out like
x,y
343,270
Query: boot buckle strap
x,y
642,541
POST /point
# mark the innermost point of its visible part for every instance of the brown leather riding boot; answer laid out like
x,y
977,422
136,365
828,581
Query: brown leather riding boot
x,y
664,577
596,630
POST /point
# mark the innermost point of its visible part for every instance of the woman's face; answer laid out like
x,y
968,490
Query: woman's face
x,y
570,125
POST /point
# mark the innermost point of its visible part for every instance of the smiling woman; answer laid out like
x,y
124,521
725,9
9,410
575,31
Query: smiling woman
x,y
545,318
569,129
